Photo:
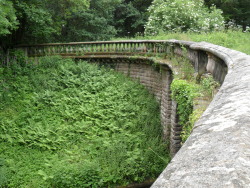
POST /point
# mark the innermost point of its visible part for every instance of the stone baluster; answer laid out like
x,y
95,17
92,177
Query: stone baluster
x,y
124,47
151,47
127,47
130,47
108,47
116,47
66,49
141,47
121,47
134,47
95,48
91,48
113,47
105,47
85,48
52,50
100,47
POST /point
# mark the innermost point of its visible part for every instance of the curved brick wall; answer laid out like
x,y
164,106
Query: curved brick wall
x,y
217,153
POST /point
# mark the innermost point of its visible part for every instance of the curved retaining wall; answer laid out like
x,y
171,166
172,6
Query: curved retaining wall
x,y
217,153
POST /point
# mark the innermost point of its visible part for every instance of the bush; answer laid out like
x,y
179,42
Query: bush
x,y
182,15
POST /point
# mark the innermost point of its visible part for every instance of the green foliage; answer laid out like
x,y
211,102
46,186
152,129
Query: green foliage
x,y
182,66
186,93
67,124
131,16
105,19
4,173
8,20
66,8
233,39
35,21
80,175
182,15
209,85
93,24
236,12
38,21
188,126
183,93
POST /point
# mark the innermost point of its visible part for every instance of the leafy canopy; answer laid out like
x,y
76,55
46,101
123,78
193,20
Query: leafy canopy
x,y
8,19
236,11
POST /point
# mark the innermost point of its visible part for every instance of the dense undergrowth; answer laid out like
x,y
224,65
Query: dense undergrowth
x,y
67,124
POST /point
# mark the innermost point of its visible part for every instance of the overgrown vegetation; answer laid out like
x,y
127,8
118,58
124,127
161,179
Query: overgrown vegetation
x,y
188,94
36,21
67,124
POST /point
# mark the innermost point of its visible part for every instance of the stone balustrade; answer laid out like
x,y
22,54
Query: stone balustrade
x,y
75,49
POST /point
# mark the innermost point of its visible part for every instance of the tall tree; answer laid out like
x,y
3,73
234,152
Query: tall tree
x,y
35,21
94,24
234,10
8,20
131,16
63,11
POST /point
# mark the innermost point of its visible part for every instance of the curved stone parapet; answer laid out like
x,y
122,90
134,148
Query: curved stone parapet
x,y
217,153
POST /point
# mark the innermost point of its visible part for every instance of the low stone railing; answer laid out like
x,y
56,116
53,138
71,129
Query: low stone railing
x,y
217,153
77,49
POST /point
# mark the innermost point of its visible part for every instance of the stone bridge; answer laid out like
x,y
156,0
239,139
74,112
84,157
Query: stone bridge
x,y
217,153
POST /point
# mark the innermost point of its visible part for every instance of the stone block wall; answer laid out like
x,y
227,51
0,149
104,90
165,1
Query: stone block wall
x,y
175,130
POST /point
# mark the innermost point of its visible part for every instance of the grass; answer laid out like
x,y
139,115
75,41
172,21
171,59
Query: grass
x,y
233,39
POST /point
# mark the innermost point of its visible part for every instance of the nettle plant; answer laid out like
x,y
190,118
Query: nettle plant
x,y
182,15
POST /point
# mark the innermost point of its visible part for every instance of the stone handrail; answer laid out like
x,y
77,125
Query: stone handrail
x,y
217,153
96,48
